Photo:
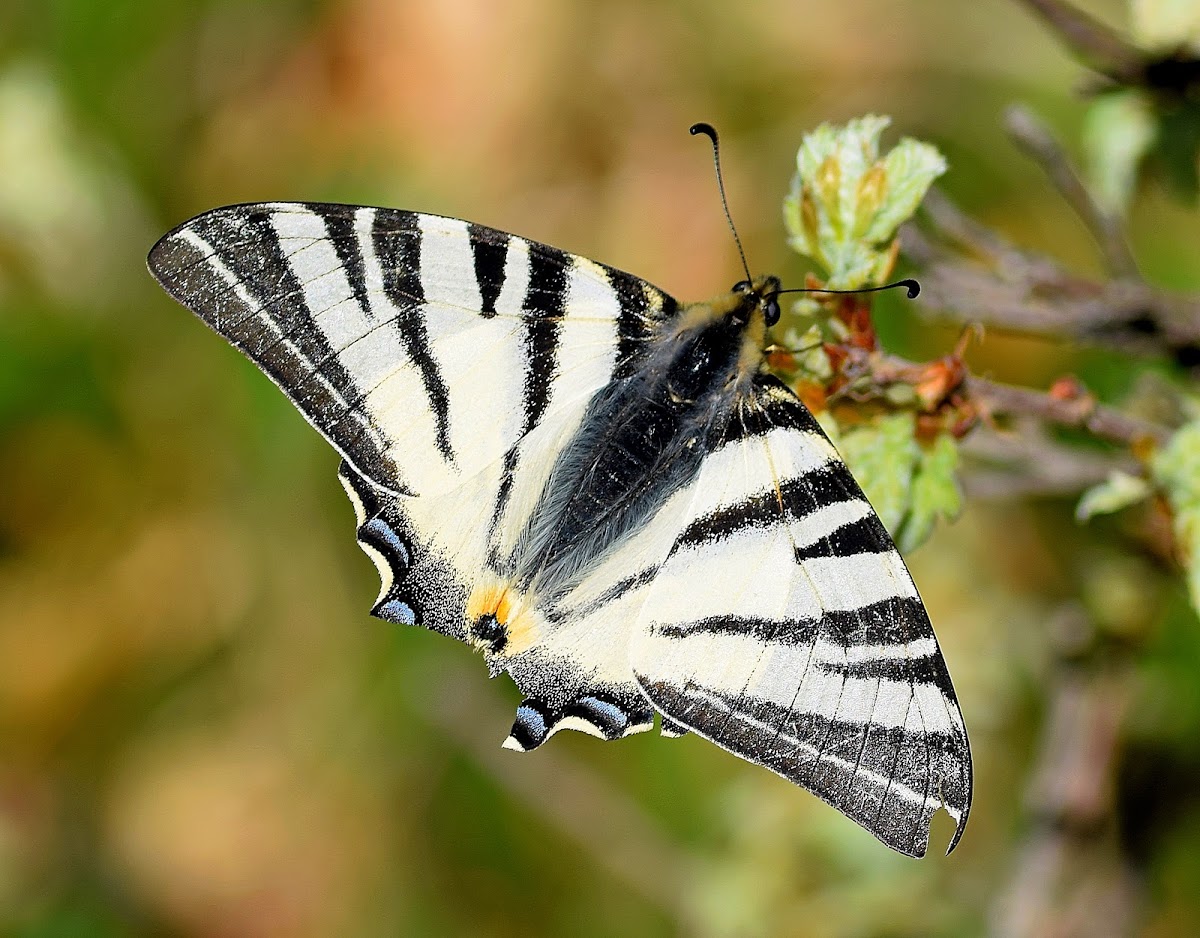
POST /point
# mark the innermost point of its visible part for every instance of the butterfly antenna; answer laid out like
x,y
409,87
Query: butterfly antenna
x,y
711,132
913,288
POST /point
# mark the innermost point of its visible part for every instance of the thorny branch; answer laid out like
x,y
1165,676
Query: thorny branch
x,y
1066,406
1005,426
1079,412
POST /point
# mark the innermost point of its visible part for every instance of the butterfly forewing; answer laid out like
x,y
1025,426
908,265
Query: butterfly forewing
x,y
537,468
422,347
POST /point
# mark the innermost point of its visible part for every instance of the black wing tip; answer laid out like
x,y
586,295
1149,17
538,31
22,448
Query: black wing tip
x,y
156,256
159,257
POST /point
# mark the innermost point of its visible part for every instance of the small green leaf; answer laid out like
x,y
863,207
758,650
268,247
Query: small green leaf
x,y
1176,469
910,486
910,170
846,202
1119,491
934,493
1118,130
883,456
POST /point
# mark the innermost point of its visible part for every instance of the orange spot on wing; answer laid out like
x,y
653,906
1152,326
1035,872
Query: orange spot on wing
x,y
492,600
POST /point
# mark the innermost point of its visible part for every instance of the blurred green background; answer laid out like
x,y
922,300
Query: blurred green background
x,y
202,732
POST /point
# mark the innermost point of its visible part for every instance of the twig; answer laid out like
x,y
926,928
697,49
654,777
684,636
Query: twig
x,y
1032,136
1091,41
1070,877
1025,461
970,274
1081,413
993,399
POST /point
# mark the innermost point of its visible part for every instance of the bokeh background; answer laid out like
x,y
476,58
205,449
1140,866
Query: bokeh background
x,y
202,732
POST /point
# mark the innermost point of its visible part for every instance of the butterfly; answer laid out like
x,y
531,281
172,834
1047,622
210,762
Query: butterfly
x,y
602,490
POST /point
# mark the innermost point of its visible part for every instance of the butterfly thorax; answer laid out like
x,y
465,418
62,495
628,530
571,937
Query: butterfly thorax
x,y
641,440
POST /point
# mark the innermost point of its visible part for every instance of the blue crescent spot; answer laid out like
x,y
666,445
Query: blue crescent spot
x,y
383,533
396,611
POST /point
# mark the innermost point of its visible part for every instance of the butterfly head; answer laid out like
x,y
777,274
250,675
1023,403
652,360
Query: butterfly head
x,y
763,293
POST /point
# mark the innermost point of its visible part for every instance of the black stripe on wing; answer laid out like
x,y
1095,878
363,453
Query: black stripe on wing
x,y
771,406
489,251
867,535
397,242
340,228
639,322
800,497
888,623
544,305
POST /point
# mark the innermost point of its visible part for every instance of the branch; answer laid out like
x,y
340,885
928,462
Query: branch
x,y
1026,461
1097,46
1077,410
1032,136
1070,877
970,274
1078,413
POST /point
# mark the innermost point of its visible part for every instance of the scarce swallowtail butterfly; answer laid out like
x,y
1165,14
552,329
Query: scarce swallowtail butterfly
x,y
601,489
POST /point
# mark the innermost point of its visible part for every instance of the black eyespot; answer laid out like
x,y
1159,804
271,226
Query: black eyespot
x,y
771,311
742,286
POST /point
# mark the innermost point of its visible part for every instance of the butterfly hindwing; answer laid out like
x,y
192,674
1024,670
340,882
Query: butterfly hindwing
x,y
816,659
